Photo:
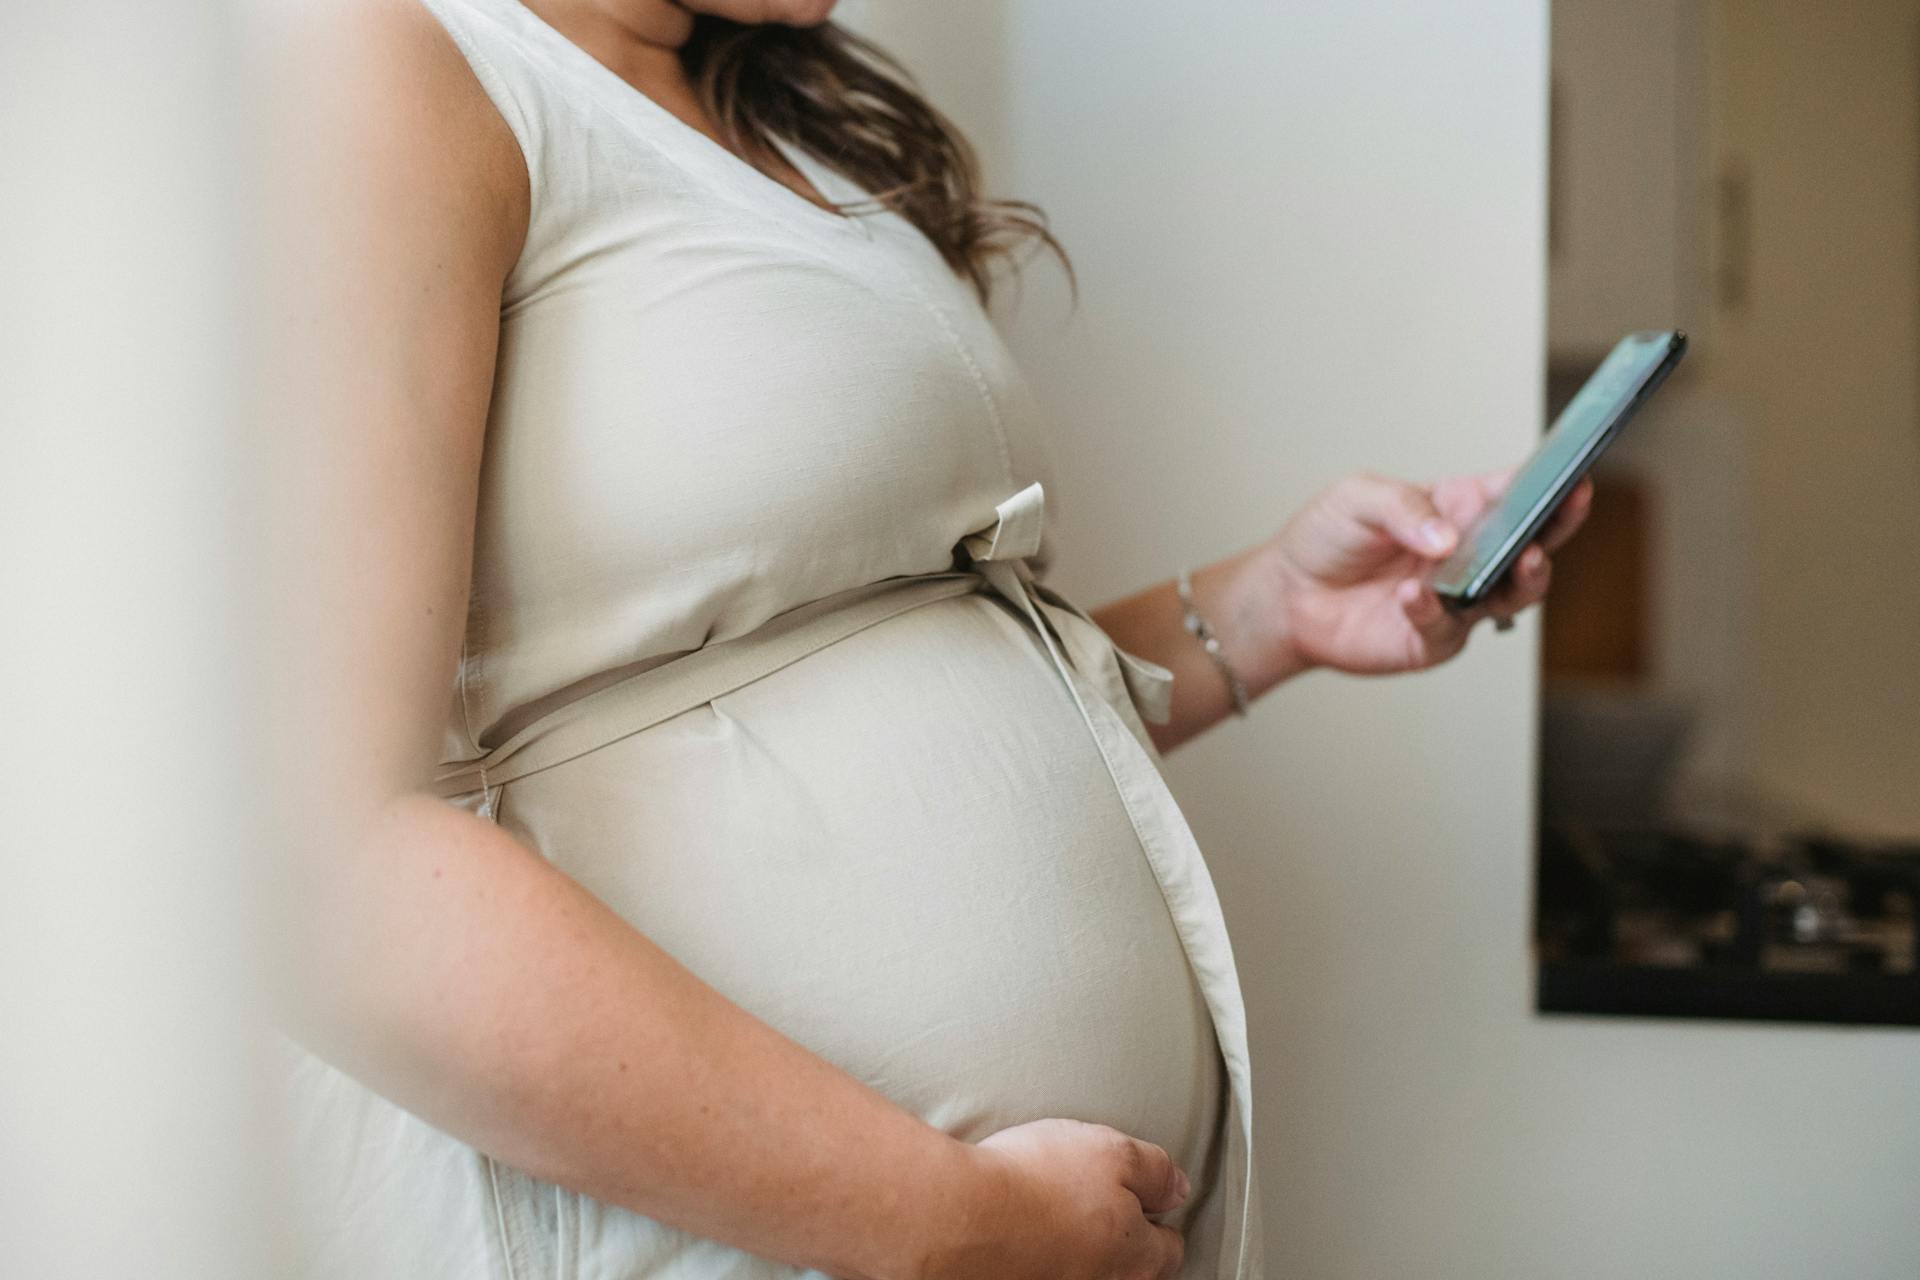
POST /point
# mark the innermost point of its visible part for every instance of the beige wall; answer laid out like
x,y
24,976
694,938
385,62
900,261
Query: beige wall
x,y
1784,460
1310,239
1822,366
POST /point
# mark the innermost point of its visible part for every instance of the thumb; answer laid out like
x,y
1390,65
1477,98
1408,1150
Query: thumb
x,y
1404,512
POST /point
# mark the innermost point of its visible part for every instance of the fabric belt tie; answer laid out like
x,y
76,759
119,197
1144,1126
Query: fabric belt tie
x,y
998,555
1001,554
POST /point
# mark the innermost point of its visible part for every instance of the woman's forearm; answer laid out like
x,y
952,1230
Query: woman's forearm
x,y
1241,599
479,987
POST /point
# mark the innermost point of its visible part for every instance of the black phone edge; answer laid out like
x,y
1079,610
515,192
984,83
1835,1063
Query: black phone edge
x,y
1484,585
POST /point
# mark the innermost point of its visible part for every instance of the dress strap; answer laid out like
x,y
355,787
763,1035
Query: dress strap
x,y
1003,554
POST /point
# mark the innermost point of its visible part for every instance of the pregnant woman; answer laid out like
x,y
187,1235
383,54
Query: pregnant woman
x,y
754,868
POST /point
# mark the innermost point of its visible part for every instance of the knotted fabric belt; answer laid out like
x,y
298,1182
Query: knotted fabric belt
x,y
997,556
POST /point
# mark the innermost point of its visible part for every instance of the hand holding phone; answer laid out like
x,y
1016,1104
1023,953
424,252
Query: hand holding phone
x,y
1375,575
1591,421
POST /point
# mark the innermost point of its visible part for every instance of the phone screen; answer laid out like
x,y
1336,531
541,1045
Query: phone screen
x,y
1617,388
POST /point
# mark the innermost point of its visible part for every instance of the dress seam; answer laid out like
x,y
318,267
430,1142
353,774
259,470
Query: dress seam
x,y
500,89
500,1218
974,372
466,706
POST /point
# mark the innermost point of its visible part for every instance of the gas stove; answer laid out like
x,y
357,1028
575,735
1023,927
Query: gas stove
x,y
1666,921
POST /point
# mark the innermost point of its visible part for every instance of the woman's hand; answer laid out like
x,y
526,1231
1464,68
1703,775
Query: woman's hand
x,y
1346,576
1067,1201
1342,585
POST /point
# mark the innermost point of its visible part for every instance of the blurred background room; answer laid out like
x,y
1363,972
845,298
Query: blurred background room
x,y
1730,766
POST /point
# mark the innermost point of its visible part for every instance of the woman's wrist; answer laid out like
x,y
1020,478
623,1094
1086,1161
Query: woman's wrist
x,y
954,1214
1247,600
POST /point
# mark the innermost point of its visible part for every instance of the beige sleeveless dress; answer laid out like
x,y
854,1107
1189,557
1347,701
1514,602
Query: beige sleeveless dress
x,y
758,654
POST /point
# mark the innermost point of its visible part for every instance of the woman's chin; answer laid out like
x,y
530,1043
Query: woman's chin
x,y
786,13
803,13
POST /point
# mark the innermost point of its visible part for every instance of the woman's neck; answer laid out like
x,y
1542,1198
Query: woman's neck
x,y
640,40
637,40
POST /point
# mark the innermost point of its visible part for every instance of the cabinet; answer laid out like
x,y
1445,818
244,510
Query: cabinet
x,y
1628,182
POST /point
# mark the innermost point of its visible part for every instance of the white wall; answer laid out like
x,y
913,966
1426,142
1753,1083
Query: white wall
x,y
127,821
1310,238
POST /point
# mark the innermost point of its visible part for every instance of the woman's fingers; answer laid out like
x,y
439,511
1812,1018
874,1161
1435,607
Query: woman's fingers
x,y
1525,584
1441,631
1169,1251
1567,520
1075,1201
1404,512
1160,1186
1463,499
1494,483
1150,1173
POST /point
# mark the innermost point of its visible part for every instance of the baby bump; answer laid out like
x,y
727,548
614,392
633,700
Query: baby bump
x,y
906,853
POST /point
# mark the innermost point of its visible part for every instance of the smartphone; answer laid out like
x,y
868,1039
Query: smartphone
x,y
1591,420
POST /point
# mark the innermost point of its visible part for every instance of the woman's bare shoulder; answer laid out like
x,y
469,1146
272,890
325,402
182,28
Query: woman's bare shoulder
x,y
379,89
394,210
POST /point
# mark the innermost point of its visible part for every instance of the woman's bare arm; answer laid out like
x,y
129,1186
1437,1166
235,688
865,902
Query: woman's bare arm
x,y
443,962
434,956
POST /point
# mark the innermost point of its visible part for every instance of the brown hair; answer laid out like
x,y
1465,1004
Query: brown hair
x,y
851,106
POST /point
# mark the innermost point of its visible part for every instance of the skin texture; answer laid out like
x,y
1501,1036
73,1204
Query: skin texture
x,y
453,969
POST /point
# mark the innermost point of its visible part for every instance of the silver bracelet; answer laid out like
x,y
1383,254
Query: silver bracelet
x,y
1197,628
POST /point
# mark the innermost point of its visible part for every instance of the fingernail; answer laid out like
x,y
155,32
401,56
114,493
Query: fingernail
x,y
1437,534
1181,1187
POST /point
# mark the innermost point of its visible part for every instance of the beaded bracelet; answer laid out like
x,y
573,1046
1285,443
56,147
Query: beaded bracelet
x,y
1197,628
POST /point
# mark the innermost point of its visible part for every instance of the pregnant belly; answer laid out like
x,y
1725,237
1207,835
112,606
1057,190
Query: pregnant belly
x,y
906,853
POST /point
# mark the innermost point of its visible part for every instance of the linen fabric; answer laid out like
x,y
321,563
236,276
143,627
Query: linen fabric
x,y
759,652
